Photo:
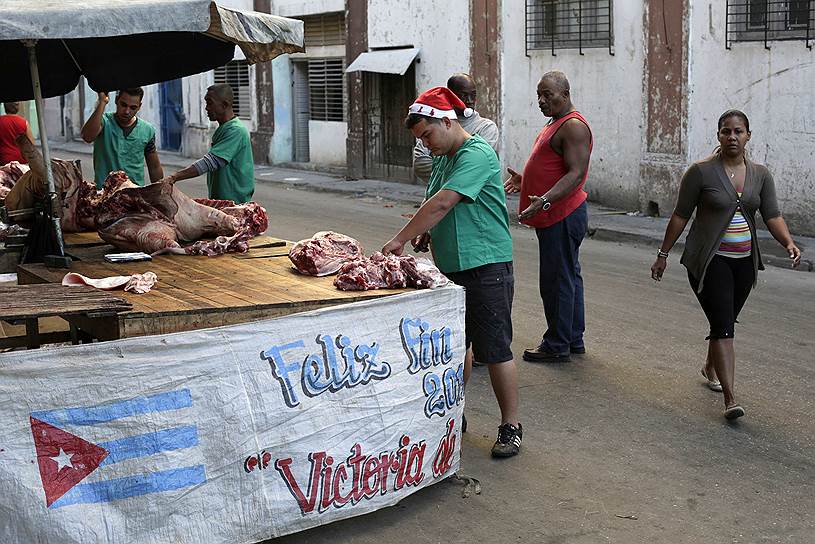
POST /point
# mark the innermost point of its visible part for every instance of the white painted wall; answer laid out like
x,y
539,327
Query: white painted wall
x,y
440,29
774,88
283,137
326,140
607,90
291,8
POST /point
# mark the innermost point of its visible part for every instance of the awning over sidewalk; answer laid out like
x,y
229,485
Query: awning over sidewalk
x,y
388,61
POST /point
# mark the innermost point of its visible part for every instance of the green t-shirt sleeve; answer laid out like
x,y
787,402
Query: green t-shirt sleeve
x,y
470,174
229,145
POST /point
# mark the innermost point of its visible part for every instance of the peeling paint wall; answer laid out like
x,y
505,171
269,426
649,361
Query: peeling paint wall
x,y
666,86
774,88
440,29
607,89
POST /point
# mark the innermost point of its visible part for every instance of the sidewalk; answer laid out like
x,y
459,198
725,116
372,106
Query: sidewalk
x,y
604,223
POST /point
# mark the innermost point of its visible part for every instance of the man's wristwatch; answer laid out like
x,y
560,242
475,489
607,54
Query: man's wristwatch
x,y
546,203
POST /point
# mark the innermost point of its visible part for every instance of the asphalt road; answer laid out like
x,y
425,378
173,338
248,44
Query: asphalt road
x,y
627,430
624,444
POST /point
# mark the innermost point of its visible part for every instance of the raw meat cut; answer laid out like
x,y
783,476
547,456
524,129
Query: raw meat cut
x,y
251,216
9,174
138,283
388,272
324,253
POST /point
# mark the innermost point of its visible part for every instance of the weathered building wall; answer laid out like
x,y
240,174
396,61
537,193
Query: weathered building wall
x,y
607,89
292,8
774,88
327,142
440,29
666,87
320,132
283,137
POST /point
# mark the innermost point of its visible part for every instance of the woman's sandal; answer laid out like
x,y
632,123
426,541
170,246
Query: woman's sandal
x,y
713,385
734,412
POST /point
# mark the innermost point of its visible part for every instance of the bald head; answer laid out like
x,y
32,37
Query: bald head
x,y
558,79
463,86
219,99
554,98
222,92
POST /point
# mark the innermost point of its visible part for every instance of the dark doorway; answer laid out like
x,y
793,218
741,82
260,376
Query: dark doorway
x,y
172,114
388,145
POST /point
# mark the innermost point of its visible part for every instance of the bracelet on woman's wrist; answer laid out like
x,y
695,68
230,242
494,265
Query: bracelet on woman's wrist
x,y
663,254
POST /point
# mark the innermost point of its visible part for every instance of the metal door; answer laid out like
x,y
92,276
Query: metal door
x,y
172,114
388,144
302,111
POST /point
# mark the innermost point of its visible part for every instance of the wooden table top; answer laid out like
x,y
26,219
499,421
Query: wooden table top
x,y
259,279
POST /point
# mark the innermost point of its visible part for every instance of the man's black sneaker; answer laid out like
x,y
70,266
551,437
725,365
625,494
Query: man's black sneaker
x,y
578,351
509,440
463,424
542,354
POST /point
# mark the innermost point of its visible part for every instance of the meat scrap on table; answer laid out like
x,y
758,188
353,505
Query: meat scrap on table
x,y
156,219
330,252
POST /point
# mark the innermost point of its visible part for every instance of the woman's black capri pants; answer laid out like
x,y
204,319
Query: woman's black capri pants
x,y
728,282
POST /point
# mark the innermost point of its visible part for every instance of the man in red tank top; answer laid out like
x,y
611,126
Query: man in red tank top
x,y
11,126
554,203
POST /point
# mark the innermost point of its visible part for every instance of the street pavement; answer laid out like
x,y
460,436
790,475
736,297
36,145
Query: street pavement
x,y
624,444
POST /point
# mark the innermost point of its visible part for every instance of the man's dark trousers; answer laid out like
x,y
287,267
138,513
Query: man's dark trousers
x,y
561,285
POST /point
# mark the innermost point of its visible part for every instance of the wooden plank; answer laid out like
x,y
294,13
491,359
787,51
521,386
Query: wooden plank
x,y
42,300
79,239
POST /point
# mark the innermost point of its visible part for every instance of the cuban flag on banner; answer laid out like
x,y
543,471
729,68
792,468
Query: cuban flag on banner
x,y
114,451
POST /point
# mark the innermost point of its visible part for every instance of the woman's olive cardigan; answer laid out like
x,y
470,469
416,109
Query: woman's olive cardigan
x,y
707,188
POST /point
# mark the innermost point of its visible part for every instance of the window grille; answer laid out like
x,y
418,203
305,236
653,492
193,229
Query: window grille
x,y
770,20
569,24
236,74
326,86
324,29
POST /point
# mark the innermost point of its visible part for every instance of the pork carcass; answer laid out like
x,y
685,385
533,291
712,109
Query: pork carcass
x,y
158,218
388,272
324,253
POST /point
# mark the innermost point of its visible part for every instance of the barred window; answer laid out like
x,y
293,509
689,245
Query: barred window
x,y
326,86
770,20
569,24
324,29
236,74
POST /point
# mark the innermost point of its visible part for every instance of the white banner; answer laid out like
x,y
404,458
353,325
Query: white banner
x,y
235,434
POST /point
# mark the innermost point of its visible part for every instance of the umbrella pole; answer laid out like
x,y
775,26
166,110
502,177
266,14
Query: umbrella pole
x,y
59,260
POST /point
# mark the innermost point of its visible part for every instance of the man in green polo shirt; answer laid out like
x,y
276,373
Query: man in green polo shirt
x,y
465,219
229,164
122,141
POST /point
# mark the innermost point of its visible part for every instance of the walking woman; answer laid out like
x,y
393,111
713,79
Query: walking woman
x,y
721,250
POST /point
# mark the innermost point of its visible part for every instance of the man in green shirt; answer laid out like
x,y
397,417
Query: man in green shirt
x,y
229,165
465,218
122,141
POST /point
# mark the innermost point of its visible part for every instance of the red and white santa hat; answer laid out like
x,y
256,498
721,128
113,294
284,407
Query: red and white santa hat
x,y
439,102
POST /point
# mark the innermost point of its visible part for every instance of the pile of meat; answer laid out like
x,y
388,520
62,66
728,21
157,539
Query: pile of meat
x,y
156,219
324,253
330,252
9,174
